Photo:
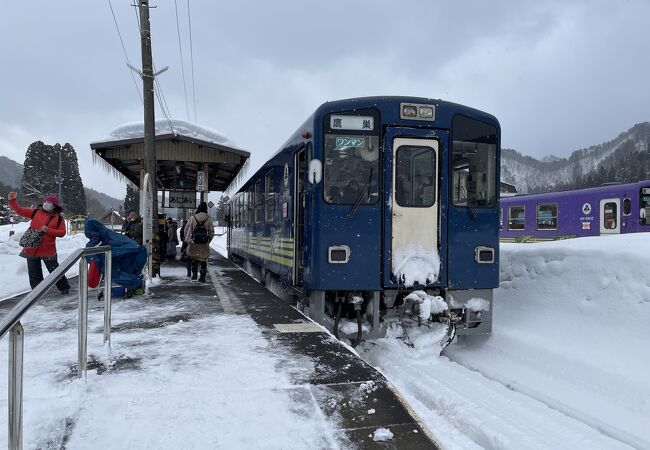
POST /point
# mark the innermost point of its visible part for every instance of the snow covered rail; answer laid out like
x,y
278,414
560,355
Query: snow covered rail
x,y
11,324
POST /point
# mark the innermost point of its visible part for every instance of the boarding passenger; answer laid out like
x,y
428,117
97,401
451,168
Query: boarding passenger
x,y
199,231
172,234
39,240
133,228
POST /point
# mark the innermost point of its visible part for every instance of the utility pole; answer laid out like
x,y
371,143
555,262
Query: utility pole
x,y
57,147
149,116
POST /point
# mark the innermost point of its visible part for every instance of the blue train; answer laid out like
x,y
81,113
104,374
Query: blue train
x,y
379,205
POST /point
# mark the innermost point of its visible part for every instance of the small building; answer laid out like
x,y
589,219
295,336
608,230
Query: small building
x,y
112,220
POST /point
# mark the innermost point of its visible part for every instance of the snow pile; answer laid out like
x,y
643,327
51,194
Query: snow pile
x,y
427,304
382,434
413,264
13,268
135,130
565,366
477,304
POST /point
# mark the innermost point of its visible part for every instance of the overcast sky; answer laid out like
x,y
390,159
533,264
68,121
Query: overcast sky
x,y
559,75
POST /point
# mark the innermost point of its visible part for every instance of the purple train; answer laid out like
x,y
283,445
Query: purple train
x,y
608,209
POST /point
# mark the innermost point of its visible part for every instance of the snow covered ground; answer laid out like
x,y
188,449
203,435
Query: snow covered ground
x,y
567,364
13,268
176,380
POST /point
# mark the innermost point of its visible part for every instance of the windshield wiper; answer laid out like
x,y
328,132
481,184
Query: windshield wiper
x,y
363,192
469,205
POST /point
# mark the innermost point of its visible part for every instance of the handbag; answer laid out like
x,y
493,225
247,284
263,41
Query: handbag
x,y
31,237
171,249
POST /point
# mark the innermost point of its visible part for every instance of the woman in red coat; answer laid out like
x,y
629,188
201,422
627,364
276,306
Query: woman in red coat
x,y
47,218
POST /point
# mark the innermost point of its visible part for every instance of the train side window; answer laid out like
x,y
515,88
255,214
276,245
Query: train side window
x,y
500,219
258,202
627,206
610,215
547,216
269,205
516,216
251,205
644,210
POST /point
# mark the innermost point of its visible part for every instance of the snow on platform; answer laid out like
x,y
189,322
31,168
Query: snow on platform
x,y
184,373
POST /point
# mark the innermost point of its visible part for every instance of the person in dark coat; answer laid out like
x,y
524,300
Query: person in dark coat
x,y
48,219
133,228
172,238
199,253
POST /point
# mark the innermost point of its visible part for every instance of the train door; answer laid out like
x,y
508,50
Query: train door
x,y
414,218
610,216
299,218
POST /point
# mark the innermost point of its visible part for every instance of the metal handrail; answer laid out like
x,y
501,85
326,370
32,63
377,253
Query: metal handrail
x,y
10,323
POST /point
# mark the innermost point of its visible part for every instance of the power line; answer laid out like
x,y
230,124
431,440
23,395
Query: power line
x,y
189,21
162,101
180,49
117,27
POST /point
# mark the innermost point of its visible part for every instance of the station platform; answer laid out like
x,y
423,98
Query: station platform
x,y
223,364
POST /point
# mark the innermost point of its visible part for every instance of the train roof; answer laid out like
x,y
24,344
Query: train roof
x,y
573,192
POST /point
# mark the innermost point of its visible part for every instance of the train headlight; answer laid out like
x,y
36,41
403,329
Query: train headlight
x,y
409,111
425,112
338,254
415,111
484,255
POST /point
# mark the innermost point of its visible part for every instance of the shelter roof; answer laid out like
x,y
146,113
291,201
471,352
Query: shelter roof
x,y
182,149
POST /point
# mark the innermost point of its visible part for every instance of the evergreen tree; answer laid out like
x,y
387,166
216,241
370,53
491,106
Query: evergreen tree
x,y
38,172
222,210
72,188
41,176
5,211
132,199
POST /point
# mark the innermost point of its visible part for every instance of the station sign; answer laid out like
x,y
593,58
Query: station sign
x,y
200,181
181,199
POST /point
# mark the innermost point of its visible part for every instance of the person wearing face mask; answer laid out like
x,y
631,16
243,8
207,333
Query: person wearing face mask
x,y
48,219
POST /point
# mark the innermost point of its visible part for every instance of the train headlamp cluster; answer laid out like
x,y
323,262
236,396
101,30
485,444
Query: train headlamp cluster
x,y
417,112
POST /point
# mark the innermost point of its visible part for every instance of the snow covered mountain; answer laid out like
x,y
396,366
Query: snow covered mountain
x,y
625,158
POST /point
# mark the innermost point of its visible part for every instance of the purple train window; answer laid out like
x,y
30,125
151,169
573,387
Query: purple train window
x,y
627,206
547,216
516,215
609,216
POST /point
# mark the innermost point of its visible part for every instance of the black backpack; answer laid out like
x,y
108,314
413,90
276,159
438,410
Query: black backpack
x,y
200,233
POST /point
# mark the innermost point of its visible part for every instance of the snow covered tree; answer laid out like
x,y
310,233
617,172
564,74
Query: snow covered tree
x,y
41,176
38,170
72,188
132,200
5,211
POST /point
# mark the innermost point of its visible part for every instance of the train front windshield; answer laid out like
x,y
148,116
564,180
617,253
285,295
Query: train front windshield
x,y
474,162
351,169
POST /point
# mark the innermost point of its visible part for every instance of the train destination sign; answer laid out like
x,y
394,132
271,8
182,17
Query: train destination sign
x,y
181,199
362,123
